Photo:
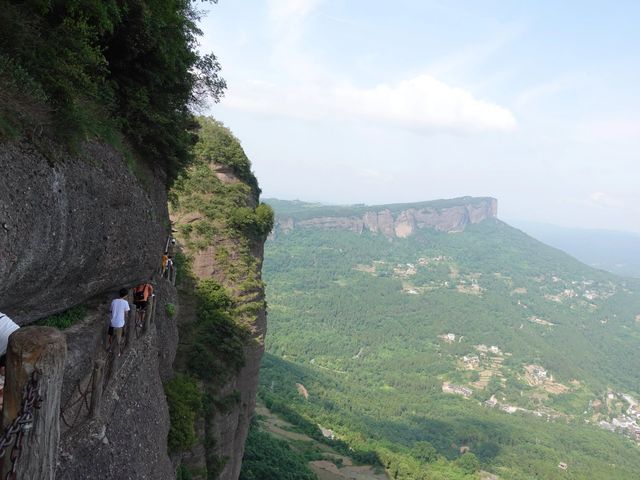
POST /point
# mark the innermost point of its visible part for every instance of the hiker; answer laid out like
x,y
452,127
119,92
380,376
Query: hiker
x,y
141,296
165,259
171,249
119,308
169,267
7,327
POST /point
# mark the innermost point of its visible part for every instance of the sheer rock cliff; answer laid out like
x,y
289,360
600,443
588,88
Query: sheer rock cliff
x,y
399,223
74,226
235,262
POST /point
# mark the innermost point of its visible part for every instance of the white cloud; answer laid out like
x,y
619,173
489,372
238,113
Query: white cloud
x,y
300,87
287,13
422,104
601,199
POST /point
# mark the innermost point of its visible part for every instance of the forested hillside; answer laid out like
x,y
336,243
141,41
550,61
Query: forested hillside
x,y
484,341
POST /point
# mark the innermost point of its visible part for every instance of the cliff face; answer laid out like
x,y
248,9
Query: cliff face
x,y
76,228
233,260
72,227
221,228
397,224
230,425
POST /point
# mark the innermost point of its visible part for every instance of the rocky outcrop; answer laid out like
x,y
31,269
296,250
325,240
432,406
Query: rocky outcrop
x,y
402,223
73,226
233,258
73,230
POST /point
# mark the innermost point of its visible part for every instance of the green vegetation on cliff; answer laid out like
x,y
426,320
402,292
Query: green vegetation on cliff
x,y
363,322
220,229
65,319
97,68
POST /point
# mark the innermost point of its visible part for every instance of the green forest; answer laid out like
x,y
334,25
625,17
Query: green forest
x,y
537,347
126,72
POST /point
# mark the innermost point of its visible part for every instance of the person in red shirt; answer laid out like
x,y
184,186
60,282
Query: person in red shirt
x,y
141,295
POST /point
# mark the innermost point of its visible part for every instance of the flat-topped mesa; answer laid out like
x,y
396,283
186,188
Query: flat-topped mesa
x,y
392,221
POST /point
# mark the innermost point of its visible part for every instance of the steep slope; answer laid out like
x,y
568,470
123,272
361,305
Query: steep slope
x,y
96,122
133,420
222,228
482,339
100,227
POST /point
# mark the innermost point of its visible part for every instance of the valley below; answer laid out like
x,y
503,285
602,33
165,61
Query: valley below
x,y
467,351
332,465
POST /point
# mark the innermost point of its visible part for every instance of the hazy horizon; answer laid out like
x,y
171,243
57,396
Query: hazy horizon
x,y
354,102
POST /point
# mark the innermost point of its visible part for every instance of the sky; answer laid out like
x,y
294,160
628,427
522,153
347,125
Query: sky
x,y
536,103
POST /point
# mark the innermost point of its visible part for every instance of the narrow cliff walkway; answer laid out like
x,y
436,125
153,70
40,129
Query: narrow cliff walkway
x,y
114,419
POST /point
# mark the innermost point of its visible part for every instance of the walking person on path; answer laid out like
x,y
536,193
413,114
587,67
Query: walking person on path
x,y
141,295
7,327
165,259
119,308
169,267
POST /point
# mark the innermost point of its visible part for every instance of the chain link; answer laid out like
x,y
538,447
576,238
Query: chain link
x,y
31,400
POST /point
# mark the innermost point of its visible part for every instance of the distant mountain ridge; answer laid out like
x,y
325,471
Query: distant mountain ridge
x,y
393,221
614,251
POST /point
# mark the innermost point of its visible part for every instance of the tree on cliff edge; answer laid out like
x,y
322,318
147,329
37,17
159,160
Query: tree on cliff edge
x,y
107,66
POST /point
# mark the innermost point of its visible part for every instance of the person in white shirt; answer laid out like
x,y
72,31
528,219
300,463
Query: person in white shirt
x,y
119,308
7,327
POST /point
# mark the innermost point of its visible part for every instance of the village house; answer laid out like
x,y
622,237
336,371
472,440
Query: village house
x,y
456,390
471,361
448,337
492,402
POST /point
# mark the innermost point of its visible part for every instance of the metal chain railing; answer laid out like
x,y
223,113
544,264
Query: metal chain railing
x,y
82,399
31,400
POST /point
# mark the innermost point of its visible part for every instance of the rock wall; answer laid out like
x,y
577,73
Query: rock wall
x,y
232,426
228,426
73,226
401,224
74,229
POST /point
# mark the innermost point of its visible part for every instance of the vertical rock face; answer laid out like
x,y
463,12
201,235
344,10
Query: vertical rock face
x,y
401,222
232,258
72,227
405,224
370,220
230,428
